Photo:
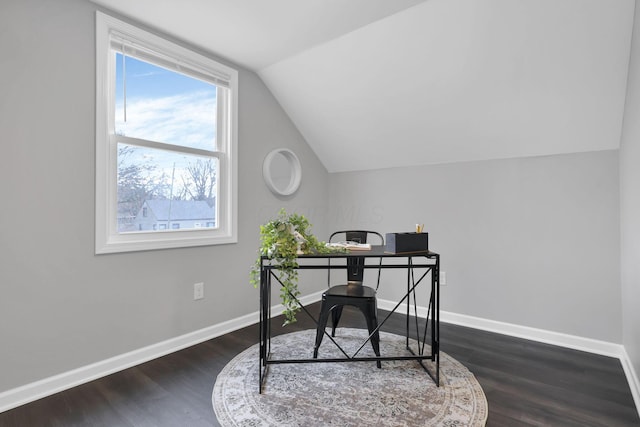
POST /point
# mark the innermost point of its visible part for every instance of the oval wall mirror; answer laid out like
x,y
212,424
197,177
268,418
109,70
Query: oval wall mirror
x,y
282,171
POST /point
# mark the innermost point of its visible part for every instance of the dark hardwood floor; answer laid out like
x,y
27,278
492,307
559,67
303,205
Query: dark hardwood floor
x,y
526,384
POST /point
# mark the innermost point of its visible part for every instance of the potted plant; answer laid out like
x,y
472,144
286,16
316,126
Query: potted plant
x,y
281,240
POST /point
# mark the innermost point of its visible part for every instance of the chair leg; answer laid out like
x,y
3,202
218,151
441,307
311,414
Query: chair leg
x,y
322,324
336,313
371,315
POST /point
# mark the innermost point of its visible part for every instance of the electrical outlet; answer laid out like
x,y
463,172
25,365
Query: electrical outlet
x,y
198,291
443,278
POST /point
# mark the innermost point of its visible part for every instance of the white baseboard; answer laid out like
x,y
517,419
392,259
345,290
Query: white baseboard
x,y
540,335
533,334
54,384
28,393
632,378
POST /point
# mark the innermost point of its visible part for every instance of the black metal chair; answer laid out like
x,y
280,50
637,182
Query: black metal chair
x,y
353,293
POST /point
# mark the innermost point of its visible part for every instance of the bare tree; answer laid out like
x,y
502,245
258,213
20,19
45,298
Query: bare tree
x,y
136,183
200,180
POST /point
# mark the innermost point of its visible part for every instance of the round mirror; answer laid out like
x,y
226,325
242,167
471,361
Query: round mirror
x,y
282,171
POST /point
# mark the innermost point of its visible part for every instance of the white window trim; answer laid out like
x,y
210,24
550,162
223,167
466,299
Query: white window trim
x,y
108,240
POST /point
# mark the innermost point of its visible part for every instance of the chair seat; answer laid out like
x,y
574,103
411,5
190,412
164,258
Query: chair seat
x,y
352,291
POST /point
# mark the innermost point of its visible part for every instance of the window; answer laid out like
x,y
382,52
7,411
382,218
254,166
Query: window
x,y
166,143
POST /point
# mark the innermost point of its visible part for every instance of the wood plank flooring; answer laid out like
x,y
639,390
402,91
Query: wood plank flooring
x,y
526,384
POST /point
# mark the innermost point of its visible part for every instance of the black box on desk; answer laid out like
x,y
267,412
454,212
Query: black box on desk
x,y
406,242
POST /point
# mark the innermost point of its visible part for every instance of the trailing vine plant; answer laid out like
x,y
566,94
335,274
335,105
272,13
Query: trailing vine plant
x,y
281,241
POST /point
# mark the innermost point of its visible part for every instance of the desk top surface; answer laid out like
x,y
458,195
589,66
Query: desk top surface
x,y
376,251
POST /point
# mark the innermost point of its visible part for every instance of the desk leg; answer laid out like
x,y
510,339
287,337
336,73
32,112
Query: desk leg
x,y
265,316
409,303
435,324
262,337
432,317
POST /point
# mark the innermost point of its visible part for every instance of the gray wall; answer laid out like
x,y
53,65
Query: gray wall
x,y
630,205
529,241
62,307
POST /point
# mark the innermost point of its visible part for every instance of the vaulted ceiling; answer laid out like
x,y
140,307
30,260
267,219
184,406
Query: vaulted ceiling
x,y
385,83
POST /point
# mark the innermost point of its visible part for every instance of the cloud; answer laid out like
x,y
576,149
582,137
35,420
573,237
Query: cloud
x,y
186,120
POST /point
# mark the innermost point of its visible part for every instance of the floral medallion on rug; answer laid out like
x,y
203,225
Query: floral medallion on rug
x,y
345,394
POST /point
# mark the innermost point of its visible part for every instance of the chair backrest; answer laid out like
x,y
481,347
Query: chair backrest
x,y
355,272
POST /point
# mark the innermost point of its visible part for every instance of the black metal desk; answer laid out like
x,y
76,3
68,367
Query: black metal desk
x,y
424,263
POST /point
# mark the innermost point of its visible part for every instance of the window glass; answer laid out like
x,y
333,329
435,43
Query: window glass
x,y
157,104
176,190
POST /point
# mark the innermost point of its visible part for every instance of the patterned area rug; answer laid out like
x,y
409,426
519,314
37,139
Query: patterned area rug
x,y
345,394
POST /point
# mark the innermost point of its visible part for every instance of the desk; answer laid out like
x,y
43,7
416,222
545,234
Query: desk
x,y
424,263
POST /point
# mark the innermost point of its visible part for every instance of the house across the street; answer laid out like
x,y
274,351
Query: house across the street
x,y
175,215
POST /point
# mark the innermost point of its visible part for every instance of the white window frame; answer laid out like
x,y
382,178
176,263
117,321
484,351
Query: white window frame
x,y
108,239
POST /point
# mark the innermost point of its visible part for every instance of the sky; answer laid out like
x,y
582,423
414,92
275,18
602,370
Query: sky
x,y
165,106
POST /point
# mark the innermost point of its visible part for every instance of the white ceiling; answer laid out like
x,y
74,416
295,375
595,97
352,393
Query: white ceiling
x,y
384,83
257,33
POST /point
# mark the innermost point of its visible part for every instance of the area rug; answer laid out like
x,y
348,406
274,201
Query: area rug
x,y
345,394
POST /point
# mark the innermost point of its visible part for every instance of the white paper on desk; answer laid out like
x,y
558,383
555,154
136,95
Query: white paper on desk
x,y
351,246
